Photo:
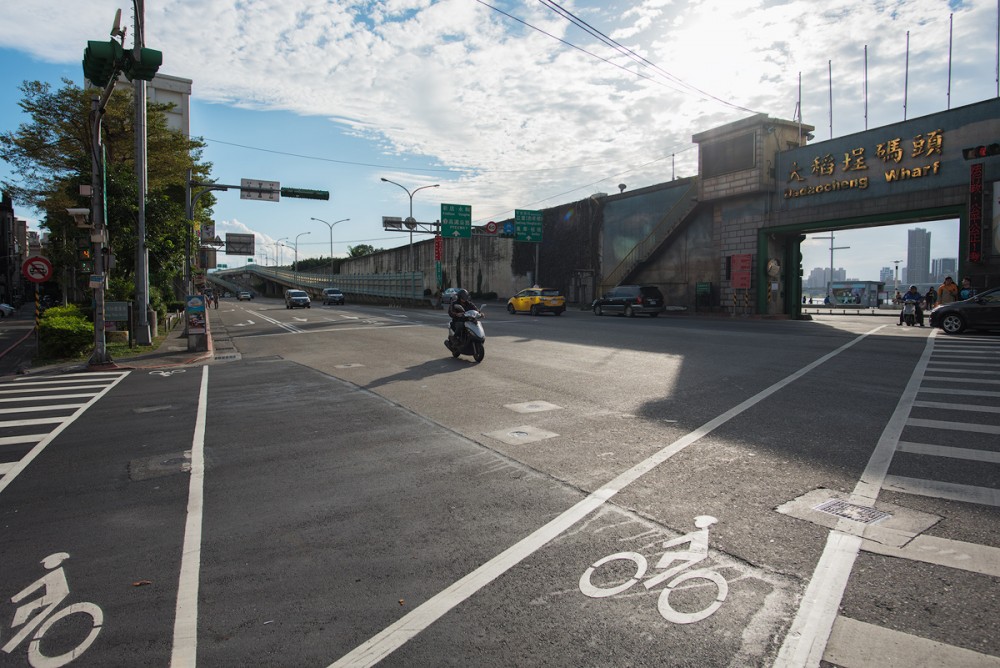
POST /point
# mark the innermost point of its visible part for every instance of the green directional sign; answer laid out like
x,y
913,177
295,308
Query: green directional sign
x,y
305,193
527,225
456,221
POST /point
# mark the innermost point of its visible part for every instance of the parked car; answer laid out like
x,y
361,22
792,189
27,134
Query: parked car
x,y
979,312
244,295
449,295
631,300
537,300
6,310
297,299
332,296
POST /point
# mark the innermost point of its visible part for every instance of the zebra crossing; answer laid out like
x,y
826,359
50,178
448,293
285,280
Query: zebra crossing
x,y
956,415
34,410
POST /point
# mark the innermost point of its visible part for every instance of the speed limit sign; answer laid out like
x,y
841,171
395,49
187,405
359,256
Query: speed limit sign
x,y
492,227
37,269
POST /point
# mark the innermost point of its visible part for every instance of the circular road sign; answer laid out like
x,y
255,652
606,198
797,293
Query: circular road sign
x,y
491,227
37,269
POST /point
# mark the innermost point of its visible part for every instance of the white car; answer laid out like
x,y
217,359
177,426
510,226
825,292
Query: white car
x,y
6,310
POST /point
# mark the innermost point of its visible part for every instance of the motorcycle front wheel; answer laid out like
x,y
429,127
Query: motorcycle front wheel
x,y
478,351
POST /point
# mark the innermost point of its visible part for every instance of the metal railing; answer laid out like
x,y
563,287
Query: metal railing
x,y
406,285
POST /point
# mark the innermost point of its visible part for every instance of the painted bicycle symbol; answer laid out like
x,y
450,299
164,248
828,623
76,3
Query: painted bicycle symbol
x,y
166,374
54,589
697,551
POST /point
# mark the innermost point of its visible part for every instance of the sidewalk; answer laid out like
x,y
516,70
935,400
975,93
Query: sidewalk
x,y
172,352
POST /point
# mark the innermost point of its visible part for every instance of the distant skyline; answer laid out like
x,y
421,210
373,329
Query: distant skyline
x,y
870,249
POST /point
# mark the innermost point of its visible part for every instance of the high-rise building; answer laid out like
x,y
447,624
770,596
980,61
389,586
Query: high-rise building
x,y
918,256
944,266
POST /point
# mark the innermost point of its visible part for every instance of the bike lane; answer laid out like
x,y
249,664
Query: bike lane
x,y
103,505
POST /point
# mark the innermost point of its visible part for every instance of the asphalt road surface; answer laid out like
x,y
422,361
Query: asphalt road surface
x,y
681,491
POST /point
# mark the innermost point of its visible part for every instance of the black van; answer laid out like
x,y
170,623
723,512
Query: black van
x,y
631,300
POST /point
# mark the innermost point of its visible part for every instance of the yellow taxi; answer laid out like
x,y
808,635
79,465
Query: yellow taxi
x,y
537,300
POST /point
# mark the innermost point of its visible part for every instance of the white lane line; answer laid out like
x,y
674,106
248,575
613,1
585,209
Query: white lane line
x,y
987,496
74,381
42,444
953,426
396,635
185,647
48,397
23,438
36,421
958,390
35,409
975,381
26,389
809,634
6,466
944,552
948,451
857,644
965,372
957,407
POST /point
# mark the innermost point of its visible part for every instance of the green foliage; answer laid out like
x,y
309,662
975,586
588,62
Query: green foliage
x,y
362,249
50,156
64,332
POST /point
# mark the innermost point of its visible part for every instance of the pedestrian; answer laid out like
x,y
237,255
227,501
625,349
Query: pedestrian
x,y
966,291
947,292
929,299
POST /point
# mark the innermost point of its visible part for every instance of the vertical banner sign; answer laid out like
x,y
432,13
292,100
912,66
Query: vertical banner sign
x,y
996,218
438,247
976,213
740,271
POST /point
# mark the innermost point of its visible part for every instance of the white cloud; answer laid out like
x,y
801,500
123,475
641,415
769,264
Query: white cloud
x,y
525,119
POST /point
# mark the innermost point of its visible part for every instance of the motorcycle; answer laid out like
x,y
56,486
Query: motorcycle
x,y
910,314
470,337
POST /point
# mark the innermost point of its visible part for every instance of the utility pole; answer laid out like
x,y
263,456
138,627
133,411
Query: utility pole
x,y
143,336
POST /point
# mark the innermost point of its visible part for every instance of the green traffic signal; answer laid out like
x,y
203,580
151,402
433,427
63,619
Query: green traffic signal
x,y
100,61
145,68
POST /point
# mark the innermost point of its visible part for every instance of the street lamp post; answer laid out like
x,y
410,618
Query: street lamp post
x,y
411,221
330,225
296,269
896,280
829,286
277,253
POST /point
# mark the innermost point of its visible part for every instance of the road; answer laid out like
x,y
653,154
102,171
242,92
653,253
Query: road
x,y
342,491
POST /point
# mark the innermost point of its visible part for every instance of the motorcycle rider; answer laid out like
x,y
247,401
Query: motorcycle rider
x,y
457,310
913,296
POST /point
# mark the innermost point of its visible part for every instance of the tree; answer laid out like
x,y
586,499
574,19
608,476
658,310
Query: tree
x,y
51,157
362,249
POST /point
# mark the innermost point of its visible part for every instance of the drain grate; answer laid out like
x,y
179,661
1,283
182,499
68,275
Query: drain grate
x,y
852,511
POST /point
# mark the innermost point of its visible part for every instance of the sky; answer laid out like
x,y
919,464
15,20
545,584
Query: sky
x,y
508,104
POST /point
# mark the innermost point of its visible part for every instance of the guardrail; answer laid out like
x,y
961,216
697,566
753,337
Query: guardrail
x,y
406,285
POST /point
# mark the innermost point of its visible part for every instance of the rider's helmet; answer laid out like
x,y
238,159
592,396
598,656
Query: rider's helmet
x,y
463,295
913,287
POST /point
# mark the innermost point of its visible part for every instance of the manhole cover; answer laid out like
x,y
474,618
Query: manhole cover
x,y
852,511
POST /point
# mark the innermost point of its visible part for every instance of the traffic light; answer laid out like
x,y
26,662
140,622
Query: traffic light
x,y
101,61
978,152
145,68
86,260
